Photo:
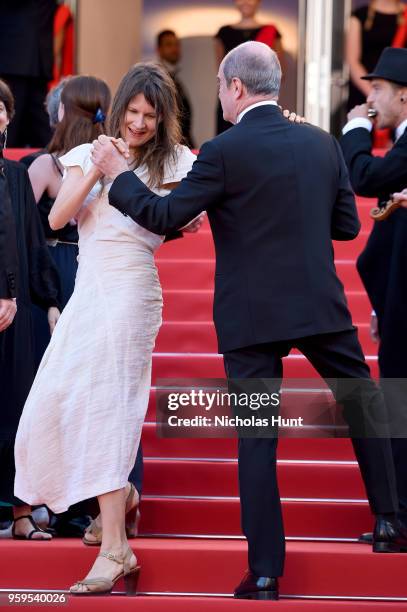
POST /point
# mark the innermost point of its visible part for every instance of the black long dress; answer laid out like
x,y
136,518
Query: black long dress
x,y
63,248
38,282
380,35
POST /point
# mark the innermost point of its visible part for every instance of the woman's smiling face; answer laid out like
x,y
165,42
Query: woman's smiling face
x,y
140,122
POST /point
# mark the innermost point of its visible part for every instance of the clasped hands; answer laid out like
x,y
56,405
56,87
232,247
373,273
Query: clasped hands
x,y
110,156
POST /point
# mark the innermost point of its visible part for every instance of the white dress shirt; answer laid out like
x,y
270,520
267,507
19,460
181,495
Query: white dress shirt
x,y
362,122
249,108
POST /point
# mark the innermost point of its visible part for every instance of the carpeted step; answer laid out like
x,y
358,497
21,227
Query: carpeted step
x,y
322,518
186,603
219,478
200,246
197,305
190,273
200,337
302,449
195,365
211,566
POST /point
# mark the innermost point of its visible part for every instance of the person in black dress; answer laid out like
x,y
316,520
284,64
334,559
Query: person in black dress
x,y
38,282
372,28
248,28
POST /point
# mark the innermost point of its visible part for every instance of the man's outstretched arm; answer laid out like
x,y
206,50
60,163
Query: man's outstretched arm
x,y
202,189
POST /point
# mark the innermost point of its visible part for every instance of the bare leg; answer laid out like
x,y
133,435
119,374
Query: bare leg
x,y
23,527
114,538
130,506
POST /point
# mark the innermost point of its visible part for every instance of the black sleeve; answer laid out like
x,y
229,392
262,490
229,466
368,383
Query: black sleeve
x,y
345,224
173,236
372,175
222,34
202,189
44,282
8,241
360,14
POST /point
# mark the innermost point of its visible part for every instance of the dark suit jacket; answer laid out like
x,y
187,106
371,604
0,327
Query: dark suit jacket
x,y
276,193
26,40
382,265
8,239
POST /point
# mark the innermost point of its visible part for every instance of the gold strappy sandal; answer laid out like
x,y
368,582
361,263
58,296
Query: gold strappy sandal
x,y
102,586
132,520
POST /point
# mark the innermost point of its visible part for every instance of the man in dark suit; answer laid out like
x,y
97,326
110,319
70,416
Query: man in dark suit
x,y
169,52
26,64
383,263
276,194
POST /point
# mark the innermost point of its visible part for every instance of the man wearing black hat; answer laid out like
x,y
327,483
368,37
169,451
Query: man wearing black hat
x,y
383,263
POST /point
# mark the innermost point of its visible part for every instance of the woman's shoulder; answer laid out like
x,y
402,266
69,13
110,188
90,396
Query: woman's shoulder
x,y
224,32
361,13
184,153
78,156
179,164
42,162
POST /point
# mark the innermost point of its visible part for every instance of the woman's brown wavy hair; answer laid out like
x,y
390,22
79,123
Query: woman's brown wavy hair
x,y
82,97
157,86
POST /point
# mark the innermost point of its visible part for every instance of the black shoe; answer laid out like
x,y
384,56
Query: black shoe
x,y
67,526
389,536
257,587
366,538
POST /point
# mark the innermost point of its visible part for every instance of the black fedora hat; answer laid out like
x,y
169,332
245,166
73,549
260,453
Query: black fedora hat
x,y
392,66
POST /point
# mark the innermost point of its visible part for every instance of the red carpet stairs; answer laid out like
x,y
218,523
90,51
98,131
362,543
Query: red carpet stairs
x,y
191,550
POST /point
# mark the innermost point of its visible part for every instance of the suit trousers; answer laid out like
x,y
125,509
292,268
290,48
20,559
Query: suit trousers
x,y
334,356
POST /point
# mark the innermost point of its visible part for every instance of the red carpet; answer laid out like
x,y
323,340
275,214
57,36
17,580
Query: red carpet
x,y
191,484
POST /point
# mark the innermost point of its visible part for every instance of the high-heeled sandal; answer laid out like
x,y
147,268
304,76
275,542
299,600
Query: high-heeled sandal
x,y
102,586
132,520
29,536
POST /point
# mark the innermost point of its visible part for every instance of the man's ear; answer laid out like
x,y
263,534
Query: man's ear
x,y
237,87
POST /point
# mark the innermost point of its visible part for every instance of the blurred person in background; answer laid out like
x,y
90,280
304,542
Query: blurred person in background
x,y
64,44
372,28
169,54
26,64
247,28
38,282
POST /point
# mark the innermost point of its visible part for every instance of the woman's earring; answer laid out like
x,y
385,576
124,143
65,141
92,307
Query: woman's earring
x,y
4,138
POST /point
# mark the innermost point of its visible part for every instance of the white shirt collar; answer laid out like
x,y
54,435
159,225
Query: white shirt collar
x,y
400,129
249,108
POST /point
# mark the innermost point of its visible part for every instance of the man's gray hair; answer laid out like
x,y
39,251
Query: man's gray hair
x,y
256,65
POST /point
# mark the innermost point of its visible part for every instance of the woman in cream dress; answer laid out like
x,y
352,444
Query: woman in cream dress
x,y
80,439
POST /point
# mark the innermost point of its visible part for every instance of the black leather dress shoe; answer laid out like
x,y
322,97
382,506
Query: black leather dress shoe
x,y
366,538
389,536
257,587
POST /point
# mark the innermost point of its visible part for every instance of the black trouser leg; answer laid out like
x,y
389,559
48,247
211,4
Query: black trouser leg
x,y
137,473
340,356
261,514
395,395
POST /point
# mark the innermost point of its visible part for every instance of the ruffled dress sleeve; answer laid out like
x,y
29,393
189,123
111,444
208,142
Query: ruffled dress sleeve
x,y
79,156
177,168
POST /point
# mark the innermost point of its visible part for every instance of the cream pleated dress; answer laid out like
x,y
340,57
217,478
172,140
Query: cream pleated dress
x,y
80,428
